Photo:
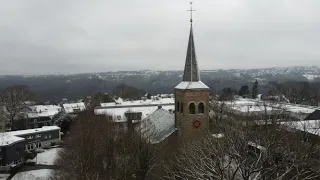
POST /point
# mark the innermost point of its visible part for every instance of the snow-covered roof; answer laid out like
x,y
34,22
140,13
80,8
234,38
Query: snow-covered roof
x,y
154,101
7,139
31,131
157,126
191,85
310,126
43,111
74,107
118,113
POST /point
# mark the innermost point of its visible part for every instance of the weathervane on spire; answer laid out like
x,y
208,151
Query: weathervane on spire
x,y
191,11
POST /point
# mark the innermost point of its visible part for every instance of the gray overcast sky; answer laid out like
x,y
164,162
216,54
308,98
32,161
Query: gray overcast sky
x,y
71,36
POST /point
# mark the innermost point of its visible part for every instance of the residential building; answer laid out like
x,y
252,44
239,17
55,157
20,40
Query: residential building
x,y
12,152
14,145
74,108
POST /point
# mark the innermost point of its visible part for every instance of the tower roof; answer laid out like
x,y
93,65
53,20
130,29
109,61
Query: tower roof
x,y
191,71
191,75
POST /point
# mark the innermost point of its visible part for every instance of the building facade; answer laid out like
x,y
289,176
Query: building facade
x,y
16,145
11,152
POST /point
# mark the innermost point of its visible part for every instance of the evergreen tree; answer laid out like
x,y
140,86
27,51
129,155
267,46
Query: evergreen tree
x,y
226,94
244,91
255,89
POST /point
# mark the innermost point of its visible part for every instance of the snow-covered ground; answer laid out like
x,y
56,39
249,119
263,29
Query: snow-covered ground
x,y
44,158
4,176
41,174
48,156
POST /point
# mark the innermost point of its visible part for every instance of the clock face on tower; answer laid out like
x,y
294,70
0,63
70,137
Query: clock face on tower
x,y
196,123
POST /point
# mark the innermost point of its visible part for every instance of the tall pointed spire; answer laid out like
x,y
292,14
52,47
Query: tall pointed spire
x,y
191,71
191,75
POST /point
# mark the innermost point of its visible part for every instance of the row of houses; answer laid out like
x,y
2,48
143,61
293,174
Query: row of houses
x,y
153,118
37,116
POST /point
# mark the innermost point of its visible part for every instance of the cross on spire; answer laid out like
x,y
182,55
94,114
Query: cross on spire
x,y
191,11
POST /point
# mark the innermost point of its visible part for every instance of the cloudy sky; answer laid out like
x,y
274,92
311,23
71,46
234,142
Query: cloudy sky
x,y
72,36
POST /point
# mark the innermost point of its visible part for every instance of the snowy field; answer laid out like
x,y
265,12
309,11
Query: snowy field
x,y
4,176
41,174
48,156
44,158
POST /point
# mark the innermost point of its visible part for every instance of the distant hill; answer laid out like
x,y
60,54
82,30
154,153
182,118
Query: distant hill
x,y
72,87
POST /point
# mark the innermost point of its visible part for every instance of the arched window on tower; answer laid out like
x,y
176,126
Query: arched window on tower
x,y
192,108
201,108
177,106
181,107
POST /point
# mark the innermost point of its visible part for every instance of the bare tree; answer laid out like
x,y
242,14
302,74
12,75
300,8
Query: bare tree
x,y
13,99
95,149
247,153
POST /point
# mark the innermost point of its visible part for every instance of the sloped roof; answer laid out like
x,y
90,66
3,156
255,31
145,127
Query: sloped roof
x,y
191,74
7,139
191,85
157,126
191,71
313,116
310,126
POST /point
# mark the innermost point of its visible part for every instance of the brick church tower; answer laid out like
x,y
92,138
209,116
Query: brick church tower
x,y
191,98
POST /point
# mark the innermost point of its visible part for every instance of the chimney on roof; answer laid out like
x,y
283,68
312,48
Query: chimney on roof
x,y
159,107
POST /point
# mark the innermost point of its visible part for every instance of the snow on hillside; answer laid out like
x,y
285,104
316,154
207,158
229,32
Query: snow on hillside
x,y
311,77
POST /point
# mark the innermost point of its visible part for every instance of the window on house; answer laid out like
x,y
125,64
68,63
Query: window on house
x,y
192,108
18,151
177,106
201,108
181,107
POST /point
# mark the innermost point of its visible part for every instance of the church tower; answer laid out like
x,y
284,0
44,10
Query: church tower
x,y
191,98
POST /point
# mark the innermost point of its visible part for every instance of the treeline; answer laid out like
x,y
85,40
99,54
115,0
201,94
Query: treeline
x,y
298,92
